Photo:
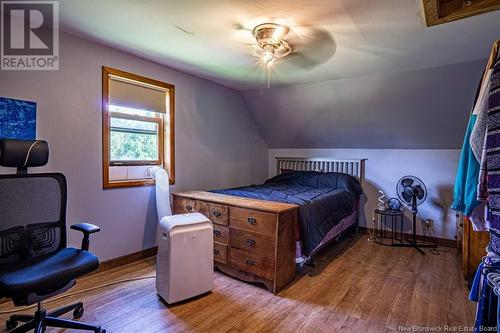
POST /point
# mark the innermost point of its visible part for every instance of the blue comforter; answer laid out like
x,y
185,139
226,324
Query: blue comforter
x,y
324,199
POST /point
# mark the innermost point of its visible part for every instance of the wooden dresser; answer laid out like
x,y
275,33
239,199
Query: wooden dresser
x,y
254,240
472,245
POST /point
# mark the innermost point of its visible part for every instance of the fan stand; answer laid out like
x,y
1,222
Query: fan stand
x,y
413,241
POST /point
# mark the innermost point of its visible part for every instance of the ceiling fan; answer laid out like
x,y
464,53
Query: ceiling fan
x,y
271,42
279,43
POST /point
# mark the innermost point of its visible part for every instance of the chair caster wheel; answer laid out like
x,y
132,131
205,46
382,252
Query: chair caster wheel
x,y
101,331
10,324
78,312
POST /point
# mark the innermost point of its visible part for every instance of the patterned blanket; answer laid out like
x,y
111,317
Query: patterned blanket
x,y
493,158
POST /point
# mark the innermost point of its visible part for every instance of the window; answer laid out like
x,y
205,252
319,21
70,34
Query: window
x,y
138,128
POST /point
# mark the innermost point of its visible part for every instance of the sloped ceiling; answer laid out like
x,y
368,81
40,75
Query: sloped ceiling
x,y
379,79
212,38
416,109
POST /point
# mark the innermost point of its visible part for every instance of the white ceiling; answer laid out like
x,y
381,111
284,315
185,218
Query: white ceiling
x,y
363,37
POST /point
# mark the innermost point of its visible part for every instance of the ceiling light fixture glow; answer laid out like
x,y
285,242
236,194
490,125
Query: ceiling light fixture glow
x,y
271,43
270,39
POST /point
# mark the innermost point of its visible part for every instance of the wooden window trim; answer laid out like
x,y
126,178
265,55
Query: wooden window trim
x,y
107,184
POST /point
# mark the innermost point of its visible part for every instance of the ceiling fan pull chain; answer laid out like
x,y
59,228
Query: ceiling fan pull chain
x,y
268,77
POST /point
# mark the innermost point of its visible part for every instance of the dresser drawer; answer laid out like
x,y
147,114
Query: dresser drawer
x,y
185,205
216,213
220,233
253,220
251,263
262,245
220,252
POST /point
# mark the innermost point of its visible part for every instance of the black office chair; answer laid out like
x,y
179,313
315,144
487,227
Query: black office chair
x,y
35,263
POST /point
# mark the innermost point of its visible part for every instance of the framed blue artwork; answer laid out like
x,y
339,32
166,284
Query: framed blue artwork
x,y
17,119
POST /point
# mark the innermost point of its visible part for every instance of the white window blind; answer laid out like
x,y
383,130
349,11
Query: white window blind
x,y
137,95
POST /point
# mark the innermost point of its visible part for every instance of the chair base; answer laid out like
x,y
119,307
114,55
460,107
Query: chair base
x,y
41,320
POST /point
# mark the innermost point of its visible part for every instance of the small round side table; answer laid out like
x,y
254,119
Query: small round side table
x,y
388,227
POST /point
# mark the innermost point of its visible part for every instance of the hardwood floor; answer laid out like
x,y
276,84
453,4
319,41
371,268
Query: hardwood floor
x,y
357,286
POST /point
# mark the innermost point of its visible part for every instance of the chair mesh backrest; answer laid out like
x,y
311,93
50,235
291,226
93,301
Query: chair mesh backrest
x,y
32,215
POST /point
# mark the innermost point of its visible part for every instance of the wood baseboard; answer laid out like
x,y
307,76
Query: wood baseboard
x,y
116,262
439,241
126,259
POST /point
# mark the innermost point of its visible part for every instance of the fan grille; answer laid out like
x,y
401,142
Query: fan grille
x,y
408,186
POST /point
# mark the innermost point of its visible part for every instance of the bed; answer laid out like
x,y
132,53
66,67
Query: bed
x,y
260,232
328,204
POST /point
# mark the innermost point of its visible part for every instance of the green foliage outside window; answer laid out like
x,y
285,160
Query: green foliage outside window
x,y
133,139
133,146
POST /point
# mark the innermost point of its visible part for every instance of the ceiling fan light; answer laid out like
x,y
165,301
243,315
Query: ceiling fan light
x,y
271,43
282,50
270,32
270,62
271,35
278,34
268,54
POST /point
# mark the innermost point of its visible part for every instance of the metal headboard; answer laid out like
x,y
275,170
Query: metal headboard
x,y
353,167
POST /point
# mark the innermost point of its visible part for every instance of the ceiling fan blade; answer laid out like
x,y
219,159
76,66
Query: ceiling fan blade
x,y
315,47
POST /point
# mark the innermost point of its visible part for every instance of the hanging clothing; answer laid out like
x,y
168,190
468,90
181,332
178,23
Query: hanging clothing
x,y
480,215
477,144
465,192
487,302
481,110
488,187
482,186
466,182
493,157
479,219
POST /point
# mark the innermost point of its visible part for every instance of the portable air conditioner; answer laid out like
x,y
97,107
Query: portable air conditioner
x,y
184,264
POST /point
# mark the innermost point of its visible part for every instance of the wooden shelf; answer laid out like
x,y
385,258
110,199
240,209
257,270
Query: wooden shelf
x,y
443,11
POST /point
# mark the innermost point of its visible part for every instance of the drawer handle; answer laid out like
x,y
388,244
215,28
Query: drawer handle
x,y
249,262
217,233
252,221
217,214
189,208
251,242
216,252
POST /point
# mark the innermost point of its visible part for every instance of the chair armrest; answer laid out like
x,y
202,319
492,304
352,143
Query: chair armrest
x,y
86,229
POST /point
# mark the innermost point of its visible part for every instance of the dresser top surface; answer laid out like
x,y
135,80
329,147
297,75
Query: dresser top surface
x,y
263,205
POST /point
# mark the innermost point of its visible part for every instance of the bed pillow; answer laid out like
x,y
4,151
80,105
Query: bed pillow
x,y
340,180
335,180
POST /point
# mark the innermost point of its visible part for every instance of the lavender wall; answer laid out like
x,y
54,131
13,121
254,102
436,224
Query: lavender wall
x,y
384,167
217,141
416,109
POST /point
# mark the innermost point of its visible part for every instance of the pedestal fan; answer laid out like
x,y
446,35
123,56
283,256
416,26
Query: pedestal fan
x,y
412,191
